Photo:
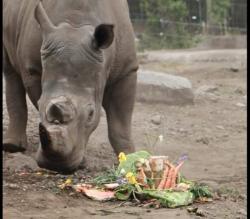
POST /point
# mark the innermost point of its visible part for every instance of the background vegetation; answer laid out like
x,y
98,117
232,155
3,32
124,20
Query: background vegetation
x,y
182,23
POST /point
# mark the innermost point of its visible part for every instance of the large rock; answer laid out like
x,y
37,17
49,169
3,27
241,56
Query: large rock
x,y
158,87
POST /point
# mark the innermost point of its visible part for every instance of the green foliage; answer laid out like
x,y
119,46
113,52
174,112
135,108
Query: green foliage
x,y
171,199
167,26
164,27
124,192
164,9
219,11
201,191
109,176
166,41
129,164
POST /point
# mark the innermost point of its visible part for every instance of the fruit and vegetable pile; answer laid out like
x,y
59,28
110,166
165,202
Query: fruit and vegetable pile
x,y
142,177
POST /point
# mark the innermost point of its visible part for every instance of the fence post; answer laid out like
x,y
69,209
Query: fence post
x,y
204,31
208,22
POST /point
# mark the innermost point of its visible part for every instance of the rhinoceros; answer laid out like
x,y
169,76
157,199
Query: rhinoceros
x,y
71,57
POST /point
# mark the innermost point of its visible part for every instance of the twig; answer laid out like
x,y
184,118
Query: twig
x,y
137,200
147,140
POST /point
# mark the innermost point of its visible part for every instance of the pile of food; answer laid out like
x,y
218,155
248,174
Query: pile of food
x,y
143,177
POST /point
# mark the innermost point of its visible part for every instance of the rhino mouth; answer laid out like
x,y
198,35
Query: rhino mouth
x,y
60,167
56,152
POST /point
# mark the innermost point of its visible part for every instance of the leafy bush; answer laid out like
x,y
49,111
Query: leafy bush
x,y
161,32
219,11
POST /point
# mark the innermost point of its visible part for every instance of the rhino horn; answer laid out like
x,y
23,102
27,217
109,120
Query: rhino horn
x,y
43,19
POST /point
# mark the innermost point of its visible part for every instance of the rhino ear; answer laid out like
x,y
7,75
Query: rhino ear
x,y
43,19
103,36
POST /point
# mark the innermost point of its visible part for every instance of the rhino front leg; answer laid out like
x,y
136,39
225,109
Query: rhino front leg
x,y
119,103
15,139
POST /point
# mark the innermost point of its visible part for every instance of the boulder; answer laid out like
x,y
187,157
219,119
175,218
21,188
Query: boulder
x,y
158,87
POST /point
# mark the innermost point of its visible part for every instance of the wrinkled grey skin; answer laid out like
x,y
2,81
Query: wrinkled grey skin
x,y
71,57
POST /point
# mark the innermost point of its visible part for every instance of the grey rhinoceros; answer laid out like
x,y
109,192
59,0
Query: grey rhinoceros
x,y
71,57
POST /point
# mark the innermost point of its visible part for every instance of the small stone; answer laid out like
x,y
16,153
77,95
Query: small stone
x,y
156,120
207,92
242,212
12,185
192,209
240,104
181,130
200,212
216,196
211,207
243,196
203,140
225,196
234,69
233,199
220,127
127,204
213,98
238,91
206,89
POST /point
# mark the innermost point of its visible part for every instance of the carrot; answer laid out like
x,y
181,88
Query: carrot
x,y
169,177
174,176
164,177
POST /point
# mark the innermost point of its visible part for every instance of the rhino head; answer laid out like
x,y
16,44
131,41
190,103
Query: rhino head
x,y
73,81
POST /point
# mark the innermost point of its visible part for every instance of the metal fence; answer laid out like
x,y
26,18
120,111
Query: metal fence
x,y
197,23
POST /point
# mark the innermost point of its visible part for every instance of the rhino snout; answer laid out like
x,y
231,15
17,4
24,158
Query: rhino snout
x,y
54,140
60,110
56,151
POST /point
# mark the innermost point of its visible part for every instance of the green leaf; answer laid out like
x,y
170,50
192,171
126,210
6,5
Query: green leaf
x,y
171,199
109,176
201,191
124,192
128,164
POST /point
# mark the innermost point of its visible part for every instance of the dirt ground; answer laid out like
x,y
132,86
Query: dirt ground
x,y
212,132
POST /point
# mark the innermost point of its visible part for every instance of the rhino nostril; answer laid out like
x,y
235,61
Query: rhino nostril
x,y
55,114
60,111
